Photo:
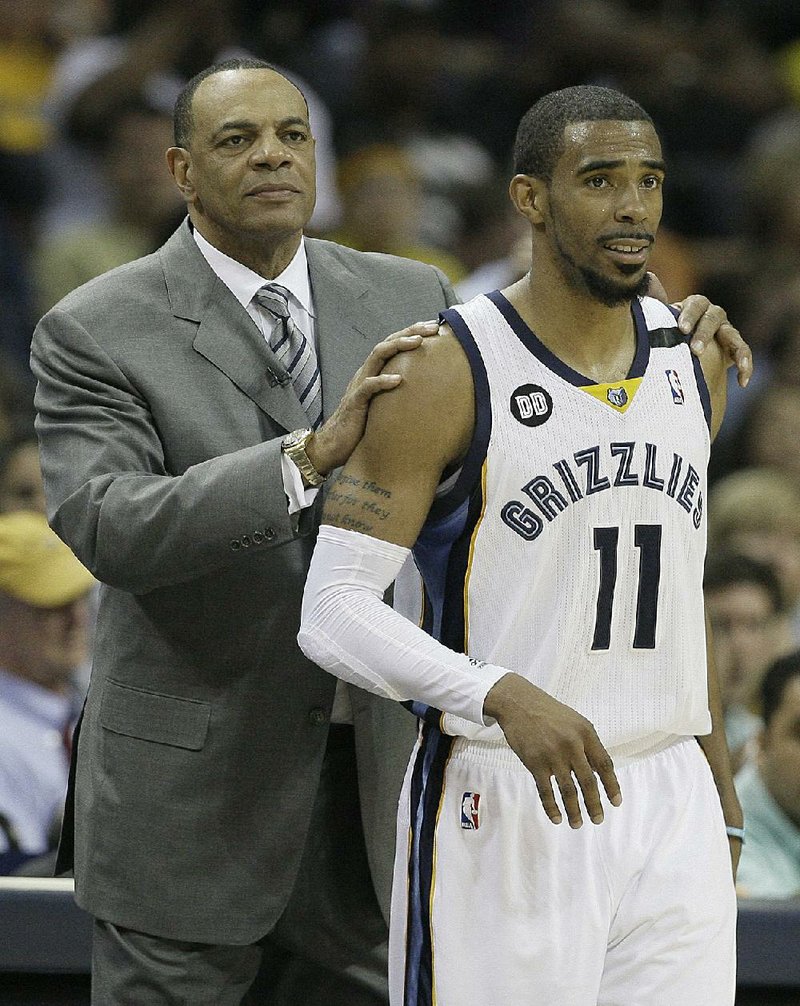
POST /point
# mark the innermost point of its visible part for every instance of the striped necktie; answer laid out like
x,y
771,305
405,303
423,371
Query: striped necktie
x,y
293,350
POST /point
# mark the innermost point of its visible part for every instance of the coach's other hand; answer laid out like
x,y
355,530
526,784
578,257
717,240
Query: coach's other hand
x,y
707,321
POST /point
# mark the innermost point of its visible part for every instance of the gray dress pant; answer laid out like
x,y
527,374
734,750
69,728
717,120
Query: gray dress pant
x,y
329,947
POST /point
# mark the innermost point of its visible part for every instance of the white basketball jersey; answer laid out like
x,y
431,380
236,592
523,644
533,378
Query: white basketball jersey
x,y
570,545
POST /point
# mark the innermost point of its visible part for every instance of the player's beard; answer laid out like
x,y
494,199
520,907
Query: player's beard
x,y
606,289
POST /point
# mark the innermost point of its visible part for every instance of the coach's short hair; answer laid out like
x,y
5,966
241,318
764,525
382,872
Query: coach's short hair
x,y
183,121
540,136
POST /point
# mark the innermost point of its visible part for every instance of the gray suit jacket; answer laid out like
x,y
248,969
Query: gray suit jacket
x,y
205,727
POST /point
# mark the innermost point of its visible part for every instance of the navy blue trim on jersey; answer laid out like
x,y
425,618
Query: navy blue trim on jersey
x,y
427,789
668,338
470,472
700,377
433,552
441,553
552,362
702,389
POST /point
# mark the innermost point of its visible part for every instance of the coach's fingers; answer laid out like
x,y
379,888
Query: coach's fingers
x,y
406,338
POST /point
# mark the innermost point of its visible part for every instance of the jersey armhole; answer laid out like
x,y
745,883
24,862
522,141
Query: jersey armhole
x,y
666,337
469,473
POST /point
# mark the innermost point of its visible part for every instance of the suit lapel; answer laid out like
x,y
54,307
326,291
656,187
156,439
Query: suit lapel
x,y
347,321
226,335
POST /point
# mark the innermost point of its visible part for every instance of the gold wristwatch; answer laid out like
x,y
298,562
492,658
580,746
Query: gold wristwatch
x,y
293,446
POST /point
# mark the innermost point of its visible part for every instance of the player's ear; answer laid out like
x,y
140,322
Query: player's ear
x,y
529,195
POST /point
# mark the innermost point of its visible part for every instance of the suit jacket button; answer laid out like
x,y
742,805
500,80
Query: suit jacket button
x,y
247,541
318,717
269,534
235,545
258,537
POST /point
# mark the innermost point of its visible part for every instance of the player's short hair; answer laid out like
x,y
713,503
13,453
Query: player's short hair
x,y
183,121
777,678
729,569
540,135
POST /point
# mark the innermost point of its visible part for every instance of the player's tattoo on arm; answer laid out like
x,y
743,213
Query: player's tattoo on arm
x,y
356,504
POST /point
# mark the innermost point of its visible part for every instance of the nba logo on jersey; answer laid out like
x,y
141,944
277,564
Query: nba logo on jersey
x,y
675,386
470,818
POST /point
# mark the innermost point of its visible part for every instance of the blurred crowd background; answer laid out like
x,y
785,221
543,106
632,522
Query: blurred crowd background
x,y
414,106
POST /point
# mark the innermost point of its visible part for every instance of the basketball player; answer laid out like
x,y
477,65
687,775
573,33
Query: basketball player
x,y
546,459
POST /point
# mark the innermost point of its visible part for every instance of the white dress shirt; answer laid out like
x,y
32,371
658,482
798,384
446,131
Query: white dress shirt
x,y
243,283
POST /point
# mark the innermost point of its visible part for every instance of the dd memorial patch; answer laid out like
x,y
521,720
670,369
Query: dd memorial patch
x,y
531,405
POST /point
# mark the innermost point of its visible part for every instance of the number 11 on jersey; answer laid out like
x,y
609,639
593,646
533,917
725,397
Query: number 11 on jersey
x,y
647,539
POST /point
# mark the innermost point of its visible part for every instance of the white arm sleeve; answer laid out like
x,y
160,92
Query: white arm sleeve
x,y
347,629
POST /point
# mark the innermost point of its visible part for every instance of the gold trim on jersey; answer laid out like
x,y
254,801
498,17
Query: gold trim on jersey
x,y
468,570
617,396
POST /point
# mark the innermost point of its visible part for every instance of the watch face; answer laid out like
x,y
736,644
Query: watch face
x,y
296,438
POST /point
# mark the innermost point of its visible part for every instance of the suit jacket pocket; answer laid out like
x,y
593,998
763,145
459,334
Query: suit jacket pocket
x,y
152,716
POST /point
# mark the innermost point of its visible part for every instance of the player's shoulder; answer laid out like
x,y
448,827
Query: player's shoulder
x,y
432,410
439,363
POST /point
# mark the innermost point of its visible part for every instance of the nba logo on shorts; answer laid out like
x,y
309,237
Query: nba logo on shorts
x,y
675,386
470,818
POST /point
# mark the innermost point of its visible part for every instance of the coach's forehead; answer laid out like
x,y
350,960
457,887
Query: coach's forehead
x,y
246,94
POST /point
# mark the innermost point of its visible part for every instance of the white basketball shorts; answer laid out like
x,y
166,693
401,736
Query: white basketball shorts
x,y
494,905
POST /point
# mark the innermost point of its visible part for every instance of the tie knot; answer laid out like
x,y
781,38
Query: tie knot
x,y
274,298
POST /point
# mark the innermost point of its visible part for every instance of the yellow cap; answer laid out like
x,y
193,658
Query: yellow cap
x,y
35,565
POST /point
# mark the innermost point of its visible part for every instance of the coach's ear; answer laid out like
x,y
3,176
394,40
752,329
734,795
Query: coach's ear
x,y
529,195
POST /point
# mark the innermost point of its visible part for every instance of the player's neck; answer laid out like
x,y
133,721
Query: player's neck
x,y
592,338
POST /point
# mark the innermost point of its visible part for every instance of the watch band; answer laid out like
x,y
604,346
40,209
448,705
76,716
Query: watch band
x,y
293,446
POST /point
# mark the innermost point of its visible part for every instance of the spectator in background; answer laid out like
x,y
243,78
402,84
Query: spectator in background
x,y
152,48
769,790
27,55
745,608
16,393
769,436
757,512
145,206
494,242
381,207
43,639
21,486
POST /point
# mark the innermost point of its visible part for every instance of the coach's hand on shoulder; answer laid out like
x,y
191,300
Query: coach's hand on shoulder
x,y
553,740
707,321
334,442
